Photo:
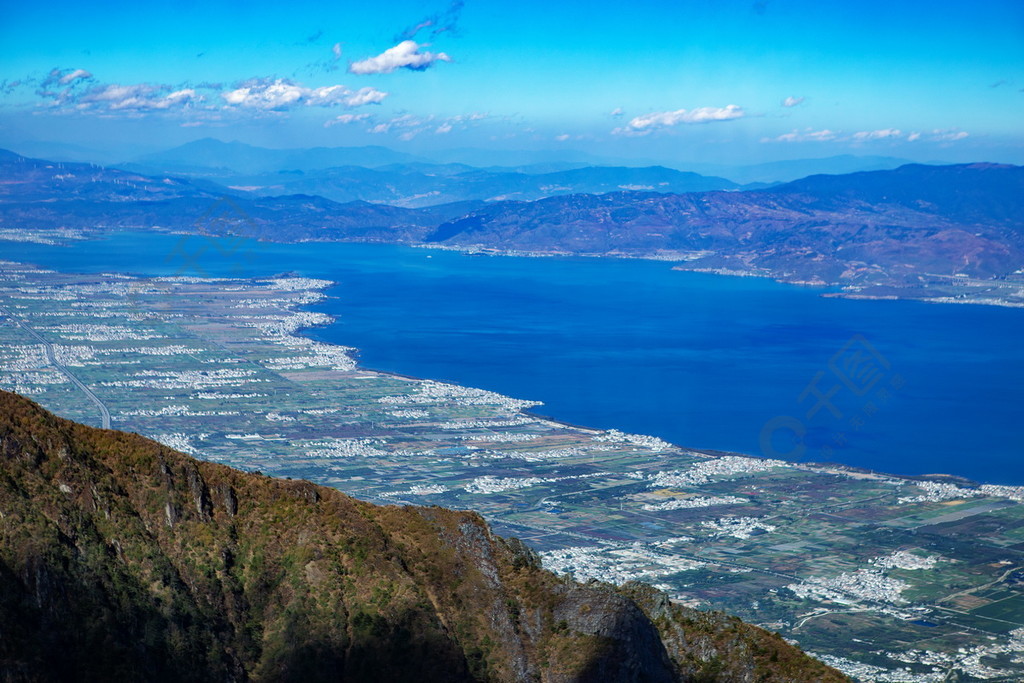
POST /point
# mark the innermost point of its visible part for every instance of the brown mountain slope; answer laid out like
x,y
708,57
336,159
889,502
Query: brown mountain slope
x,y
123,560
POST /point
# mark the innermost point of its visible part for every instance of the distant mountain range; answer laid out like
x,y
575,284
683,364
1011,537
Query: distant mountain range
x,y
878,227
902,228
794,169
231,162
122,560
242,158
417,186
376,174
46,195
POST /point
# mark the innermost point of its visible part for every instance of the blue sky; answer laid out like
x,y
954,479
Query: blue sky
x,y
705,80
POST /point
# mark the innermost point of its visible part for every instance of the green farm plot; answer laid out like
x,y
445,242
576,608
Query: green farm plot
x,y
1009,608
818,553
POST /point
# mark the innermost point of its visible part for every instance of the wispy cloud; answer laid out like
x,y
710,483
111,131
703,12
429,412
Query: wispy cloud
x,y
648,123
404,121
135,98
405,55
345,119
408,126
64,77
115,98
445,21
866,136
326,65
806,135
74,76
792,101
81,94
618,111
948,135
882,134
282,94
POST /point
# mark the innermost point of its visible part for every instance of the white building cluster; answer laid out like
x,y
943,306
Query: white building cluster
x,y
694,502
904,559
969,659
617,563
651,443
429,391
411,413
344,448
869,673
180,442
314,355
702,472
1012,492
503,437
852,587
936,492
491,484
103,333
177,411
741,528
187,379
455,425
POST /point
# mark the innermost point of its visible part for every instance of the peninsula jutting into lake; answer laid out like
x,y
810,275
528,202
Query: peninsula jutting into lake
x,y
454,340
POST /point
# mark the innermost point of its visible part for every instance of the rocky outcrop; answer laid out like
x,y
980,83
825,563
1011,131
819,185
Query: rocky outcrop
x,y
123,560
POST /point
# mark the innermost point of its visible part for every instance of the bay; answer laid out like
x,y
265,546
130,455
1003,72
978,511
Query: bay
x,y
705,361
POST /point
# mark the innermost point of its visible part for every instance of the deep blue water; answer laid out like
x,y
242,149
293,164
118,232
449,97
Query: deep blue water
x,y
701,360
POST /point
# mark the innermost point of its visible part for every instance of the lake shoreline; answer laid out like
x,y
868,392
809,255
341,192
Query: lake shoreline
x,y
480,323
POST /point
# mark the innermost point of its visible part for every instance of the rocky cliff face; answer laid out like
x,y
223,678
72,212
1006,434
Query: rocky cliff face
x,y
123,560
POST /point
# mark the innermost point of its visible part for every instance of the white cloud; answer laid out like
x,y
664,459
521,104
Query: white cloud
x,y
792,101
275,95
405,55
364,96
336,50
948,135
66,77
618,111
641,125
869,135
408,126
405,121
345,119
563,137
806,135
74,76
139,97
282,94
862,136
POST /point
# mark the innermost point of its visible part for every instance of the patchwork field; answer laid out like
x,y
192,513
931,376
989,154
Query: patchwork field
x,y
889,579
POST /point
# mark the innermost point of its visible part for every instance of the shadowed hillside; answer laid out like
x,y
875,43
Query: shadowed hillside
x,y
121,559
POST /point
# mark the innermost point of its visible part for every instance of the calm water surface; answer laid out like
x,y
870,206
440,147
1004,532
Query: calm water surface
x,y
701,360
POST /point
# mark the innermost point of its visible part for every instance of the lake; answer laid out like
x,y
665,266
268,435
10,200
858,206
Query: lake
x,y
706,361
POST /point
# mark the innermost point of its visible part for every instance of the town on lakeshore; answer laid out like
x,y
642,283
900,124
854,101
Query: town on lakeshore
x,y
883,577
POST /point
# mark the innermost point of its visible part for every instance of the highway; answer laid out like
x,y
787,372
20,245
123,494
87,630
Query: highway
x,y
52,358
